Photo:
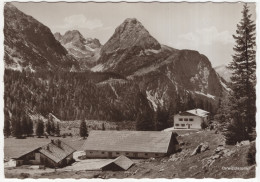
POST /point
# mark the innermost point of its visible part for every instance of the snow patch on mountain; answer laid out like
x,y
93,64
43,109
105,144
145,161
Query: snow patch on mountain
x,y
207,95
98,68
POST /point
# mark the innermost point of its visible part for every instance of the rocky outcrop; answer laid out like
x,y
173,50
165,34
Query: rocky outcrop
x,y
131,33
200,148
86,51
160,71
31,45
224,72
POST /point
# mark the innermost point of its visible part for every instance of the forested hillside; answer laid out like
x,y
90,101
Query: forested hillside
x,y
88,95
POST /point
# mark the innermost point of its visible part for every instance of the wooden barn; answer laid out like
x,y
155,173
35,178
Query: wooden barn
x,y
54,154
190,119
132,144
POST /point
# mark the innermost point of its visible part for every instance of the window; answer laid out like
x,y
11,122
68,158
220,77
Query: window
x,y
156,155
102,152
191,119
91,152
182,124
146,154
180,119
117,153
177,125
186,119
127,153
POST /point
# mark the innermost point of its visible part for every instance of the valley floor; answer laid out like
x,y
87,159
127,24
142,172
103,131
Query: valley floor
x,y
227,162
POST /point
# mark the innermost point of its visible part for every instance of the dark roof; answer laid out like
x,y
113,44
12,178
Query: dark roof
x,y
122,161
17,151
128,141
57,150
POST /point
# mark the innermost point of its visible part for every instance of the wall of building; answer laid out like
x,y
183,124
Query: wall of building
x,y
173,145
66,161
47,161
183,122
106,154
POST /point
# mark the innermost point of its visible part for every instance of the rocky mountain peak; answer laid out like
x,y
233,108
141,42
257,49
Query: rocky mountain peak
x,y
23,34
131,33
73,36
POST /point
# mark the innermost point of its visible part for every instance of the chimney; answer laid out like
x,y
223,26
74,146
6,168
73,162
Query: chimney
x,y
196,111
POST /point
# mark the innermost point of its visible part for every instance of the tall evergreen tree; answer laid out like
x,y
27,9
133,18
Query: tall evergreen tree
x,y
24,125
48,127
40,128
18,129
52,128
7,129
30,126
243,79
57,132
145,121
162,117
83,131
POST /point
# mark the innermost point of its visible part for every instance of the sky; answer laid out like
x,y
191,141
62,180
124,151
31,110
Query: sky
x,y
205,27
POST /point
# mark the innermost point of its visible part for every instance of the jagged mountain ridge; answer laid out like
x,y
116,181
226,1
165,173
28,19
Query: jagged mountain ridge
x,y
29,44
150,72
142,58
86,51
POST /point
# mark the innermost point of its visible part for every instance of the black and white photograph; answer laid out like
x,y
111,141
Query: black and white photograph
x,y
129,90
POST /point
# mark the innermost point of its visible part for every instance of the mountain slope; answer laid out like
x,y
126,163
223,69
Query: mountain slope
x,y
224,72
162,72
86,51
30,44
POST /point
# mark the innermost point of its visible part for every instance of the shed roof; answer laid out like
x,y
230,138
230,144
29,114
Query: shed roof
x,y
128,141
121,161
57,150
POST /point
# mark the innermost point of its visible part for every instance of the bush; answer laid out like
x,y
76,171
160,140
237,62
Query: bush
x,y
251,155
24,175
235,132
204,125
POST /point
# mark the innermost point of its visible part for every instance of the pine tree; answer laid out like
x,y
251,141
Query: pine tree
x,y
18,129
52,128
103,127
57,131
162,117
40,128
24,126
30,126
145,121
48,127
7,129
83,131
243,80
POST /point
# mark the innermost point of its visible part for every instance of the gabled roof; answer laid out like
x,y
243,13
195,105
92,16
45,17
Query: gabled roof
x,y
128,141
195,112
121,161
20,151
56,150
198,112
